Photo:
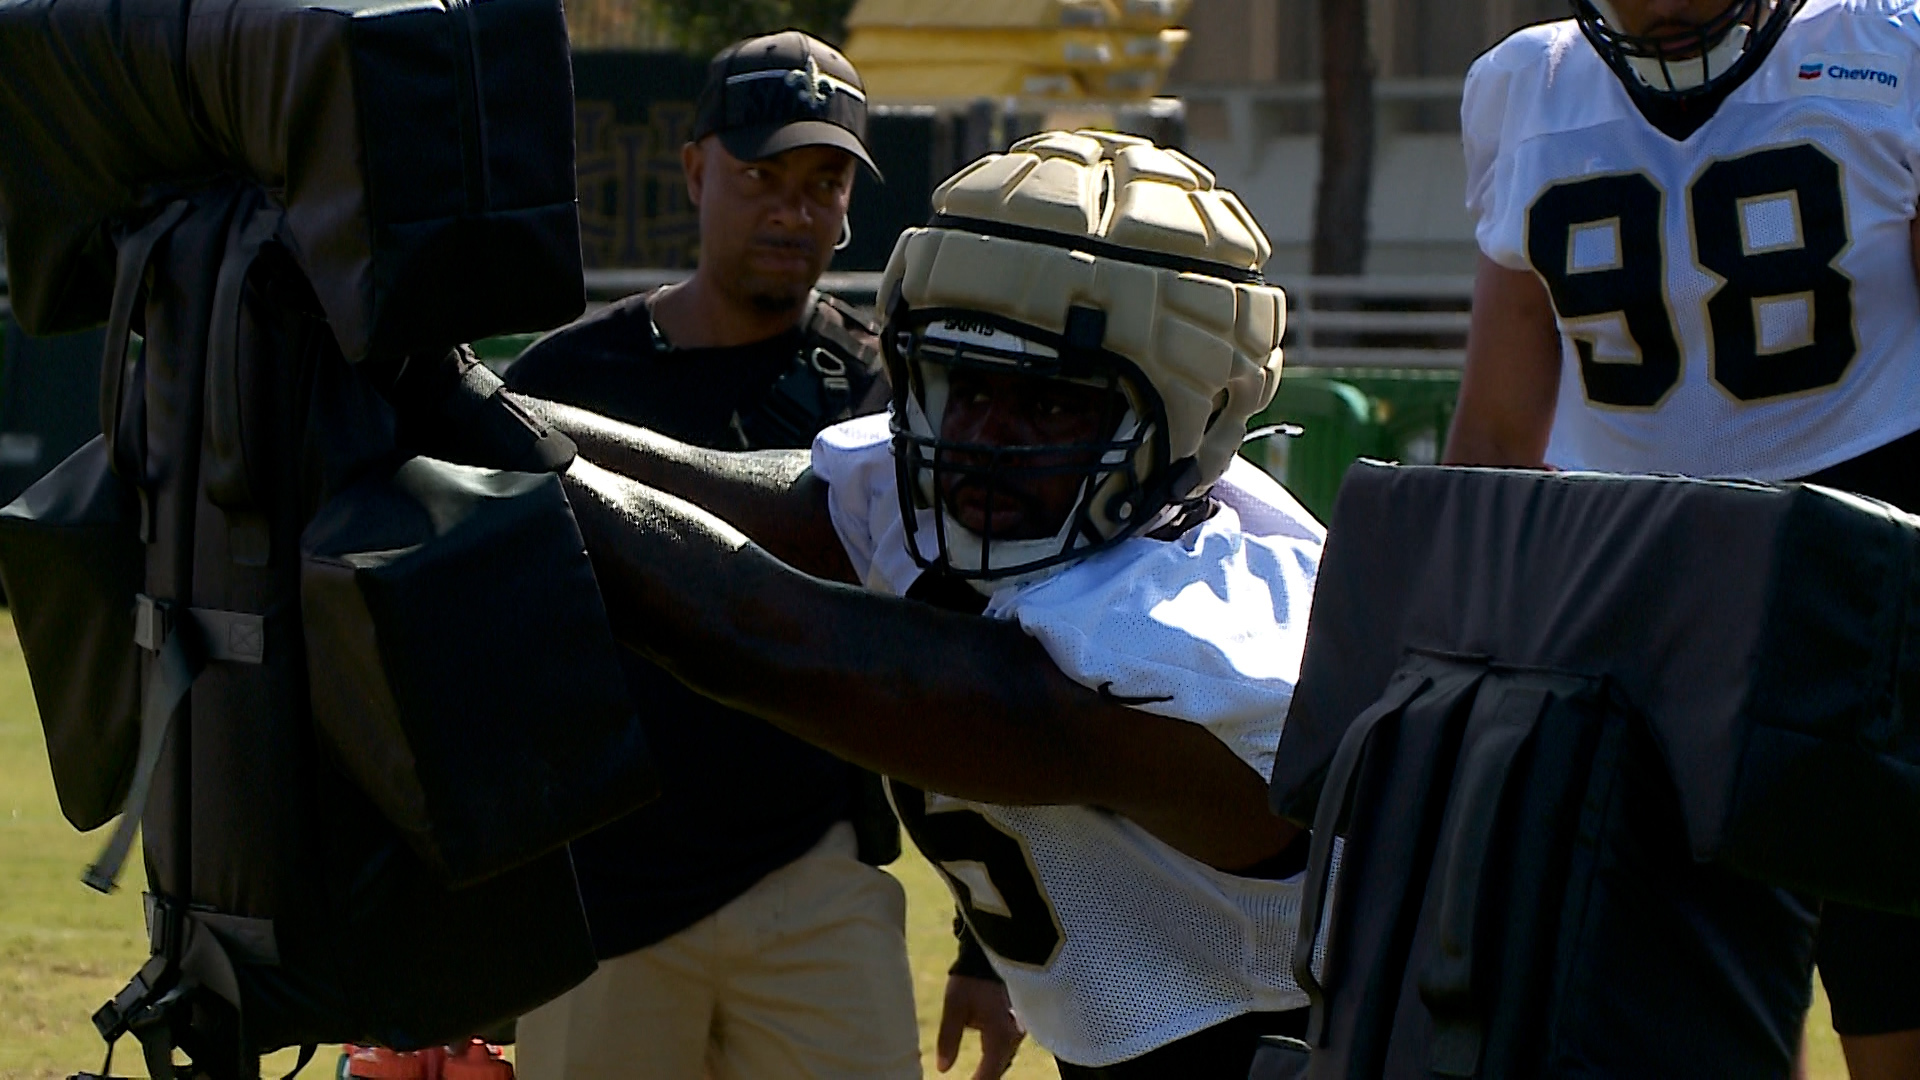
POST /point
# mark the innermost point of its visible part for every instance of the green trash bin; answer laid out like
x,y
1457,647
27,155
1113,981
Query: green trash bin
x,y
1414,408
1338,422
1348,413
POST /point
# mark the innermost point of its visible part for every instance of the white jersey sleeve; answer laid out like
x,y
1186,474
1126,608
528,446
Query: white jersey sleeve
x,y
1208,628
1483,115
855,458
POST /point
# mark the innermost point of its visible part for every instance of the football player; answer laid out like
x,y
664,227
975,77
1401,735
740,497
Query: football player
x,y
1076,342
1697,230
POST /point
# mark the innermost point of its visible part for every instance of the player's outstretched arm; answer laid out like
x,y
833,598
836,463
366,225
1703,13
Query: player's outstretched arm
x,y
958,704
770,495
1512,380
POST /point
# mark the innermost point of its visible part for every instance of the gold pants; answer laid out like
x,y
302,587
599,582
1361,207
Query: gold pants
x,y
803,975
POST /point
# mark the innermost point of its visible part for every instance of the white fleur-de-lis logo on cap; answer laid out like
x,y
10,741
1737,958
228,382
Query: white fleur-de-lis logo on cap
x,y
813,87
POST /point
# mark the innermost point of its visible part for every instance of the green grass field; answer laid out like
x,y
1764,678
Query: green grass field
x,y
64,949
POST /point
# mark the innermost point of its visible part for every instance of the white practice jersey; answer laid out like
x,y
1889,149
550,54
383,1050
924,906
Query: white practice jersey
x,y
1741,303
1111,942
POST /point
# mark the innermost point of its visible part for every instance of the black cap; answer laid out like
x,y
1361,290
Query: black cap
x,y
770,94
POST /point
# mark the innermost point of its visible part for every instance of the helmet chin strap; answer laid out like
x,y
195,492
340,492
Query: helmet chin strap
x,y
964,549
1686,74
1695,70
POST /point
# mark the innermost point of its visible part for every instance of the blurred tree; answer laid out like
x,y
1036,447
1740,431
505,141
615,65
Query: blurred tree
x,y
615,24
1346,139
703,27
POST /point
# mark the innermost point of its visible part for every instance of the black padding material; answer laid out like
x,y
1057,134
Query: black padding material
x,y
422,151
1763,630
404,961
300,908
463,668
1516,899
72,563
254,822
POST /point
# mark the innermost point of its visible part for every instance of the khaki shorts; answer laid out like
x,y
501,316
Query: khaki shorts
x,y
803,975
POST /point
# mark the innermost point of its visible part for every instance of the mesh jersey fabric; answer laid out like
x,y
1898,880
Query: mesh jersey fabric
x,y
1154,945
1790,304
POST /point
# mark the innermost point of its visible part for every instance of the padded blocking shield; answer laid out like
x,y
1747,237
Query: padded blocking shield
x,y
72,562
422,152
463,668
1763,631
1517,898
402,960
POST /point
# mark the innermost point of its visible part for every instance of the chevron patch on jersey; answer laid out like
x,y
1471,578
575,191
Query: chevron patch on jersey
x,y
1855,76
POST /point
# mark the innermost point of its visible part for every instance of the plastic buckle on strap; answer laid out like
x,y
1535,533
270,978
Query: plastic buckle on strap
x,y
236,636
831,369
166,926
113,1019
152,622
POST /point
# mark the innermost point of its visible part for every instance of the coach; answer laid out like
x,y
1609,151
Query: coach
x,y
740,933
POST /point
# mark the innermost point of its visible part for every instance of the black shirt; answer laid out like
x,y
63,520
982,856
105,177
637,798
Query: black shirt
x,y
739,797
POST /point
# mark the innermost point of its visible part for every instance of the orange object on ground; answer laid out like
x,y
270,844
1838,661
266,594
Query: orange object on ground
x,y
379,1063
476,1061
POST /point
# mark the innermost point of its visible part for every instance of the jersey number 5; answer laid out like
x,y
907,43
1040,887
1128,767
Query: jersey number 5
x,y
990,873
1792,192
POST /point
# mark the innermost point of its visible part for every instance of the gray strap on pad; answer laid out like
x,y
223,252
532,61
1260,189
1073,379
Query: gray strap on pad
x,y
181,649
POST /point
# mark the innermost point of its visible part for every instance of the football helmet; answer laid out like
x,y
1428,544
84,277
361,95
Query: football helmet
x,y
1107,279
1693,63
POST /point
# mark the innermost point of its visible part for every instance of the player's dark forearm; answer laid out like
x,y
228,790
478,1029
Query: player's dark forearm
x,y
966,706
881,681
772,496
1469,444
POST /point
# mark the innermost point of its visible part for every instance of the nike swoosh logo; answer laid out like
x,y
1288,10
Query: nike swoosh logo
x,y
1106,693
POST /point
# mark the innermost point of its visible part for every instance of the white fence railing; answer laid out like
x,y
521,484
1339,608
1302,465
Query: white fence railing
x,y
1415,321
1381,321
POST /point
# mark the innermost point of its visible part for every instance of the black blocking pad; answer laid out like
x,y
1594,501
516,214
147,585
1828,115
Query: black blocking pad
x,y
1763,630
422,151
481,707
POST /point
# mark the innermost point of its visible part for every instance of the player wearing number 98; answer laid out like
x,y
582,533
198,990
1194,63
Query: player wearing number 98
x,y
1076,342
1697,229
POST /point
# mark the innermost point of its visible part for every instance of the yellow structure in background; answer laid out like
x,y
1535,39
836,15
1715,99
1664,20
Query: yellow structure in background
x,y
1045,50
